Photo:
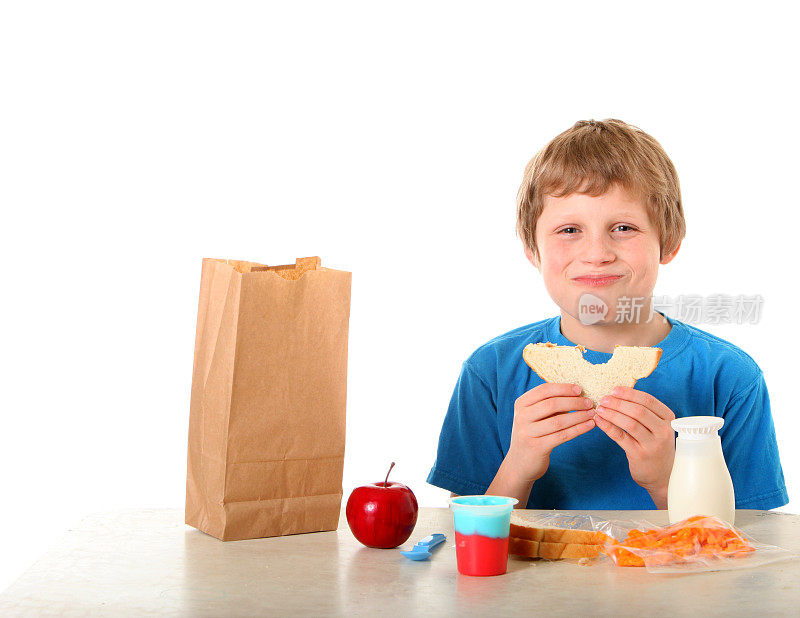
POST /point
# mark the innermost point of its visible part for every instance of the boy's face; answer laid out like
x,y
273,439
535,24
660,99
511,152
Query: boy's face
x,y
579,236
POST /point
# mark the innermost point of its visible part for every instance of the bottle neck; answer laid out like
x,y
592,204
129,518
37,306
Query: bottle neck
x,y
706,445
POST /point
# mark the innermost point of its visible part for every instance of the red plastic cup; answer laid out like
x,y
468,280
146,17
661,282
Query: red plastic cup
x,y
482,525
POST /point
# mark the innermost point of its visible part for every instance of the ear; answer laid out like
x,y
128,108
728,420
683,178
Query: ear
x,y
668,258
532,258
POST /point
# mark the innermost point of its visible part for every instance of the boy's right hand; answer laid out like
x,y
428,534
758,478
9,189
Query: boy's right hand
x,y
541,423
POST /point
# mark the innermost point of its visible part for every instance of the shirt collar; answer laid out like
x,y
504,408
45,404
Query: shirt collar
x,y
671,345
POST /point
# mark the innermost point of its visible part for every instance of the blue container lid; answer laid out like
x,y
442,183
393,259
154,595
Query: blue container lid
x,y
483,505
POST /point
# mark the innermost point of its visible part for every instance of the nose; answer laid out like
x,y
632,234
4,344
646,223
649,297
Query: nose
x,y
597,249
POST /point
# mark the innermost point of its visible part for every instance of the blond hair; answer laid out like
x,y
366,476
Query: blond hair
x,y
589,158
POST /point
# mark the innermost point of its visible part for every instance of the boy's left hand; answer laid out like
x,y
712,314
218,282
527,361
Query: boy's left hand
x,y
640,424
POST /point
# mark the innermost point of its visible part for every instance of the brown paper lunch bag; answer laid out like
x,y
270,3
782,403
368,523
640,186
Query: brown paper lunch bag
x,y
267,414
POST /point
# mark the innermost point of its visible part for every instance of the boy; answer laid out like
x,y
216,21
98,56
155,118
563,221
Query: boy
x,y
598,210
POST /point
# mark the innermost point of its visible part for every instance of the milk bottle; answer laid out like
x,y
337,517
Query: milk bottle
x,y
700,483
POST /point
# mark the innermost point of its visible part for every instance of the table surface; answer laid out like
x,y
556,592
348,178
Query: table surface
x,y
149,562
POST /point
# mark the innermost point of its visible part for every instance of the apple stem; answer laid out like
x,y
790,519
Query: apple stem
x,y
386,482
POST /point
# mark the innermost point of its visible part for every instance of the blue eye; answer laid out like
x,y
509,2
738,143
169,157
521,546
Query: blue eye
x,y
565,230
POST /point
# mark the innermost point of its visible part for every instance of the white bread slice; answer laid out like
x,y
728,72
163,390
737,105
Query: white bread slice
x,y
565,364
523,528
554,535
551,551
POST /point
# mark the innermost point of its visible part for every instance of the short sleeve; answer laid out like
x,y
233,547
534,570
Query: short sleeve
x,y
751,449
469,452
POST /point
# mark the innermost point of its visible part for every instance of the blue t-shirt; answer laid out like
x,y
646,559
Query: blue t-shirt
x,y
698,374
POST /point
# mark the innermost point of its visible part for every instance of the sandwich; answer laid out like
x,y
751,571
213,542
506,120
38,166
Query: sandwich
x,y
565,364
529,539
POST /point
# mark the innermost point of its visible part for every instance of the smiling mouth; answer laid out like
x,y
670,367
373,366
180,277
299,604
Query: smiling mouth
x,y
597,281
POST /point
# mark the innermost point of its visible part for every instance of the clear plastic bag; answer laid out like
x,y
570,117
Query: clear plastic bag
x,y
695,545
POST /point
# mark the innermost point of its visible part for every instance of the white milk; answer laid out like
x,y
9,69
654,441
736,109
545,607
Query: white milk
x,y
700,483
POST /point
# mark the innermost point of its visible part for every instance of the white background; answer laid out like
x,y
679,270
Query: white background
x,y
387,138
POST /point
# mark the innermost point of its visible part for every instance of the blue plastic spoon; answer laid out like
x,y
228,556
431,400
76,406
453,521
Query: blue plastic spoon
x,y
422,550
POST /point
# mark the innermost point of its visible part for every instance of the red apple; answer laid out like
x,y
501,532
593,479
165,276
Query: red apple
x,y
382,514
